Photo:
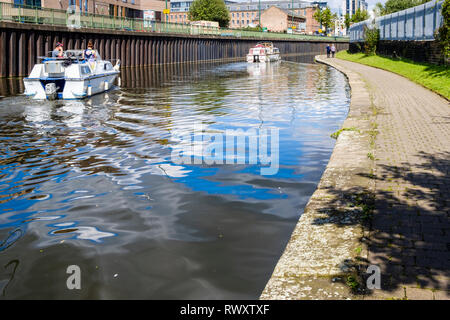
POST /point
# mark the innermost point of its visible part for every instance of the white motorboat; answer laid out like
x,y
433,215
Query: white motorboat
x,y
70,77
263,52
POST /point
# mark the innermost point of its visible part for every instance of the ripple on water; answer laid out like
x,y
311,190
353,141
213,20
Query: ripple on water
x,y
93,183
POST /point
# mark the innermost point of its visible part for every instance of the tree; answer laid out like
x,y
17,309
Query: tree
x,y
444,31
360,15
371,38
392,6
210,10
325,17
347,21
379,9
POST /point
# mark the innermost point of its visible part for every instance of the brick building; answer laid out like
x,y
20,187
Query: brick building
x,y
118,8
279,20
246,14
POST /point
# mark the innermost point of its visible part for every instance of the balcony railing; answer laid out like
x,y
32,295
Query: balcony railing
x,y
81,20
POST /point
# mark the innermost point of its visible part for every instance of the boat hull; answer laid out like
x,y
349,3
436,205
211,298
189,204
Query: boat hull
x,y
70,76
73,88
263,58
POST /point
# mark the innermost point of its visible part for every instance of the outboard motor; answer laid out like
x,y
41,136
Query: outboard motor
x,y
51,91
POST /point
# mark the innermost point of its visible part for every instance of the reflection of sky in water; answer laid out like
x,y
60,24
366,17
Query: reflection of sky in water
x,y
136,139
79,232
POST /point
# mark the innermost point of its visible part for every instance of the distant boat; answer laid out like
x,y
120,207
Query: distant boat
x,y
263,52
70,77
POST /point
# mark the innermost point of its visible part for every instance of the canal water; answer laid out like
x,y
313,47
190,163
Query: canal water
x,y
93,183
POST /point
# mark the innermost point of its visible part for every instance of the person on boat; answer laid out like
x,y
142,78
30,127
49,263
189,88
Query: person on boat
x,y
328,50
58,52
90,54
333,50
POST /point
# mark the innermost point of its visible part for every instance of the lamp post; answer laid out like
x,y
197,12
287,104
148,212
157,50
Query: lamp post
x,y
292,16
259,9
166,16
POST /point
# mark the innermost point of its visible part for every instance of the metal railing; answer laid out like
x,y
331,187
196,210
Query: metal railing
x,y
45,16
417,23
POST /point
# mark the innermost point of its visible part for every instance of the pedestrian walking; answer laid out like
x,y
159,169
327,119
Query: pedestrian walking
x,y
333,50
328,50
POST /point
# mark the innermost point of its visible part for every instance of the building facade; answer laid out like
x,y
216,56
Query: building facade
x,y
247,14
117,8
179,10
280,20
351,6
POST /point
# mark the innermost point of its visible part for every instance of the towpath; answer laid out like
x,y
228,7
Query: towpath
x,y
408,236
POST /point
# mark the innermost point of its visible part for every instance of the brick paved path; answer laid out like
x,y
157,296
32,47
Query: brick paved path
x,y
410,231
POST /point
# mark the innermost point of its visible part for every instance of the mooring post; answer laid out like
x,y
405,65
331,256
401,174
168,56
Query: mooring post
x,y
128,52
32,50
12,54
3,62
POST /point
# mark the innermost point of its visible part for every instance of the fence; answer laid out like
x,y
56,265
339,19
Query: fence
x,y
38,15
417,23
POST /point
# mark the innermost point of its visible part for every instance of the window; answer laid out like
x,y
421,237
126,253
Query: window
x,y
85,70
31,3
108,66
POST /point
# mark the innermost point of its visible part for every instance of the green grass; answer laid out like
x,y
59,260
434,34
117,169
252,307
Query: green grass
x,y
336,134
433,77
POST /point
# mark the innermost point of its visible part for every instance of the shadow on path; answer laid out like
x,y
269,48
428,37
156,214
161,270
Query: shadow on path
x,y
406,225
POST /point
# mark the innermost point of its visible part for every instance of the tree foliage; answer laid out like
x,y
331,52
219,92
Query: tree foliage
x,y
347,21
360,15
248,28
371,38
325,17
210,10
444,31
392,6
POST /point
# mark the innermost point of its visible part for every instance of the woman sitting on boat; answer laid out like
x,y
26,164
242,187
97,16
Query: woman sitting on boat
x,y
58,52
90,55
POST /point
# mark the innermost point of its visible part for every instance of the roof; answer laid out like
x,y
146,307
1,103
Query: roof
x,y
288,12
291,14
283,4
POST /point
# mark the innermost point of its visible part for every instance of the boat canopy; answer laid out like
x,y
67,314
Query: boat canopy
x,y
74,55
266,44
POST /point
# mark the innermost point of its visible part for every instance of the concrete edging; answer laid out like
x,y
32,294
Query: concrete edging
x,y
328,236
